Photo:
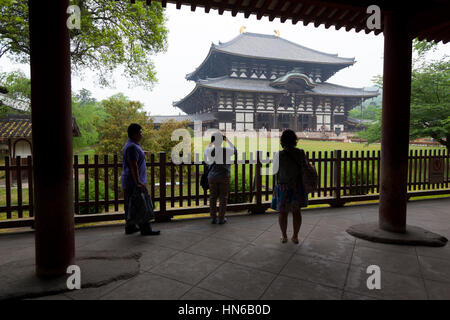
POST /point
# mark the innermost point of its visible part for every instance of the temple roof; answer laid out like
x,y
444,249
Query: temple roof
x,y
271,47
331,89
264,86
266,46
249,85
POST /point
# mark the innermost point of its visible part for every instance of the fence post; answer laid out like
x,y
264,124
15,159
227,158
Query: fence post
x,y
258,183
337,201
162,189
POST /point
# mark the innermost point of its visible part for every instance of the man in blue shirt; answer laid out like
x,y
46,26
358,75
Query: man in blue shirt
x,y
134,175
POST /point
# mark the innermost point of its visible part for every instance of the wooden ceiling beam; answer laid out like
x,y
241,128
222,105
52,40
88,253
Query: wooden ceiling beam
x,y
354,16
361,24
311,14
251,5
299,14
263,9
277,9
207,7
443,34
341,21
319,17
445,26
291,5
431,19
331,14
194,5
237,7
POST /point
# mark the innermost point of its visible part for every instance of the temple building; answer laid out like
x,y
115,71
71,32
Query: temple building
x,y
260,81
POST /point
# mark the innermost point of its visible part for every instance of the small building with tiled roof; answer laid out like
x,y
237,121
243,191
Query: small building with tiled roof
x,y
15,134
260,81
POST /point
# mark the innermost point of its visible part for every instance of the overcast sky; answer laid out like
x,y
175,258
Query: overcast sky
x,y
190,37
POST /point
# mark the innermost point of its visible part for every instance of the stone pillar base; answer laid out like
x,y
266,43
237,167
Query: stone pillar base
x,y
414,236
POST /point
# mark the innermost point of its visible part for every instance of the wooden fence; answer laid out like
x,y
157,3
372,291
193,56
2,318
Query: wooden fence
x,y
175,189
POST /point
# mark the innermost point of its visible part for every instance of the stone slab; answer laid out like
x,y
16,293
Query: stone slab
x,y
19,281
414,236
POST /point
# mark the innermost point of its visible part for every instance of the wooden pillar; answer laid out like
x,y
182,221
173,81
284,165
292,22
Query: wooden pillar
x,y
275,118
395,124
51,112
332,106
295,106
256,124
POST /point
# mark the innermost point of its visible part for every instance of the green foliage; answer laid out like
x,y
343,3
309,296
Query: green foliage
x,y
113,34
17,84
86,111
430,100
112,129
84,97
423,47
14,28
369,112
357,180
3,110
239,198
101,195
164,133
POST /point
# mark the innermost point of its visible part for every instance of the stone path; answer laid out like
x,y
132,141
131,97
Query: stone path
x,y
244,258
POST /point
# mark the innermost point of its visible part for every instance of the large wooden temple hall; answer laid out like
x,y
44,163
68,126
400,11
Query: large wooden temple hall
x,y
260,81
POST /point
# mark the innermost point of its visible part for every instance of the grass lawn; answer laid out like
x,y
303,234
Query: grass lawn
x,y
251,144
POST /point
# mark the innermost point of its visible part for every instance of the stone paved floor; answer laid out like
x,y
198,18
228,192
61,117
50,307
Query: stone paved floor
x,y
244,258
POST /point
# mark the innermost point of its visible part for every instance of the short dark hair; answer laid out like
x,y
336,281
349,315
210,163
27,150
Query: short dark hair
x,y
133,129
288,139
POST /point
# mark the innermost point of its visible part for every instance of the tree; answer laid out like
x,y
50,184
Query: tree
x,y
430,102
369,112
112,129
164,133
113,34
86,111
430,99
17,84
84,97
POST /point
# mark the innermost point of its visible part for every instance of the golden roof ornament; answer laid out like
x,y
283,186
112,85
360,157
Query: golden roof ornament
x,y
277,32
242,29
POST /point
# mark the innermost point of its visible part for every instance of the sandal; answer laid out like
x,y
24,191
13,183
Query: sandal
x,y
283,240
294,240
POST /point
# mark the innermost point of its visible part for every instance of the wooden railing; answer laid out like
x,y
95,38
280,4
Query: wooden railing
x,y
175,189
